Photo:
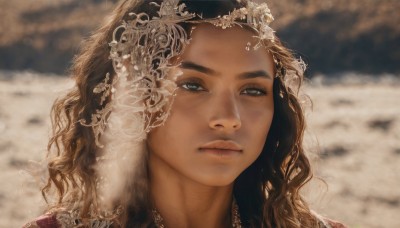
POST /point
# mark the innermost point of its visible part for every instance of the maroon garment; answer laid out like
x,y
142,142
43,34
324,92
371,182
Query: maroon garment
x,y
44,221
50,221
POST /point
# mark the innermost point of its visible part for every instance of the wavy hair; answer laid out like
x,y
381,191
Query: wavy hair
x,y
267,192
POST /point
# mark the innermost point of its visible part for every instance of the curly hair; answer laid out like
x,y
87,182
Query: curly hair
x,y
267,192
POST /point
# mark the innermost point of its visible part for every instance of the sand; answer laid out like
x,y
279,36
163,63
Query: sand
x,y
353,134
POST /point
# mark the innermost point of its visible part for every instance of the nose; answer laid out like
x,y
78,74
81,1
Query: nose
x,y
225,113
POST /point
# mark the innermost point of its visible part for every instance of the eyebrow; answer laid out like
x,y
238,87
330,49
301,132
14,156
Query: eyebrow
x,y
246,75
255,74
197,67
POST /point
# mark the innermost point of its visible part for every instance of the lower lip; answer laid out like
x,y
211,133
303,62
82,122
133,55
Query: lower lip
x,y
220,152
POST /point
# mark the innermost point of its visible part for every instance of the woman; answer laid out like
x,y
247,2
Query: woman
x,y
184,114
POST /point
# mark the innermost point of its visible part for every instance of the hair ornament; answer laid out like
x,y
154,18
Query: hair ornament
x,y
140,93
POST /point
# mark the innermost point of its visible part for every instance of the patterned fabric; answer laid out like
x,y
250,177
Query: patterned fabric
x,y
51,221
64,219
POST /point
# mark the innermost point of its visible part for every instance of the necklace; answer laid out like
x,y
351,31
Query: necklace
x,y
235,215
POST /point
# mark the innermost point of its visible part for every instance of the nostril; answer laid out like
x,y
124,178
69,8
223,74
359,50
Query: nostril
x,y
237,125
225,123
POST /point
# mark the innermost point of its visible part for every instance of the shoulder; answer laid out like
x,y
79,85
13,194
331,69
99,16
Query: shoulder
x,y
45,221
326,222
61,219
334,224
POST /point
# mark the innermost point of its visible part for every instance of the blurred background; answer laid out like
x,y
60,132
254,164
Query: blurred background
x,y
352,49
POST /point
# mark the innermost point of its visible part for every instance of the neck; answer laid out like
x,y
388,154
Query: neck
x,y
183,202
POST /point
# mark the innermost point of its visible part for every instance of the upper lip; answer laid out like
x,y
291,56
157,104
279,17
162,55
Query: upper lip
x,y
222,145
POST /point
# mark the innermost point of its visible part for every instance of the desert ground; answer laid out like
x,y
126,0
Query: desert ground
x,y
353,139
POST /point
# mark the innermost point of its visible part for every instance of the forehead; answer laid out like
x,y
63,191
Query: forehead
x,y
233,47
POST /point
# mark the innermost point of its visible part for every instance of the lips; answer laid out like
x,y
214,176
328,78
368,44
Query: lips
x,y
222,145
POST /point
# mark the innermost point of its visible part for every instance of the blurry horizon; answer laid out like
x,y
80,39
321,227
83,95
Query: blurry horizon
x,y
333,37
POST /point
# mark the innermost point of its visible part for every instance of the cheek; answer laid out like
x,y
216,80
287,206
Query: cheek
x,y
174,134
257,124
262,121
258,114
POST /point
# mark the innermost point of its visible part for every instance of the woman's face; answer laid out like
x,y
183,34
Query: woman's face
x,y
222,111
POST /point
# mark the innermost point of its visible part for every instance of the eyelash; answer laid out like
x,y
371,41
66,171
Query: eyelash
x,y
256,89
260,91
184,85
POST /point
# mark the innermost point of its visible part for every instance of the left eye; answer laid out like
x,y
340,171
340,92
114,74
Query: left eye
x,y
254,92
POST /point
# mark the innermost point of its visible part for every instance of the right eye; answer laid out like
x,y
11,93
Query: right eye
x,y
192,86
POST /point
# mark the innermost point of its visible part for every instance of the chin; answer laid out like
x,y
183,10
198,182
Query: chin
x,y
218,180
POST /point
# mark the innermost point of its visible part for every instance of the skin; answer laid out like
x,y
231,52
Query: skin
x,y
224,94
